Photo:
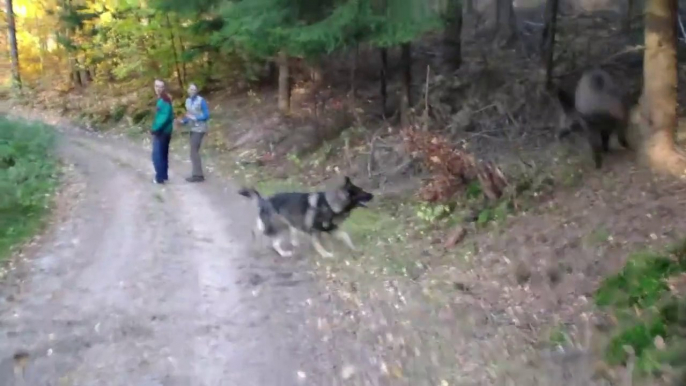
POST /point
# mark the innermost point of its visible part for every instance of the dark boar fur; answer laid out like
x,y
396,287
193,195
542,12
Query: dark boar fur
x,y
598,108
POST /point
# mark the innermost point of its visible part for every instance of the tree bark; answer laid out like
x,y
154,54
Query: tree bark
x,y
659,100
284,83
179,76
506,21
383,72
182,47
548,40
628,15
14,50
353,72
317,74
75,74
406,97
469,7
452,35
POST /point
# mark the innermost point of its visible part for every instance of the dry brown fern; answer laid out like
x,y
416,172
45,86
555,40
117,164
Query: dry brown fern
x,y
451,168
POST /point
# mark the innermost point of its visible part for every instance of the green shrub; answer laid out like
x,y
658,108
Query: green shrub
x,y
641,299
27,178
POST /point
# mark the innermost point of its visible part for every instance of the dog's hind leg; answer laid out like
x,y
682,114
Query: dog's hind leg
x,y
318,246
345,237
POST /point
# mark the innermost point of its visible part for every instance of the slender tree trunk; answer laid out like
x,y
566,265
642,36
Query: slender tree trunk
x,y
43,49
383,73
506,21
317,73
549,32
626,23
406,97
179,77
182,46
14,50
273,71
659,101
353,72
452,35
284,83
74,66
469,7
84,73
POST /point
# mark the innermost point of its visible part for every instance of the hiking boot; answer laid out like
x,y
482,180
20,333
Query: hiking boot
x,y
195,179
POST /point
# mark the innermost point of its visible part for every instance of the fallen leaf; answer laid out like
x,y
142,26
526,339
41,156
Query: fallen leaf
x,y
456,235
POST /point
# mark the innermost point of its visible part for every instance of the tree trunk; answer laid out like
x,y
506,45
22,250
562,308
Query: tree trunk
x,y
14,50
626,23
273,75
469,7
317,74
74,67
284,84
182,46
548,40
42,50
452,35
506,21
383,73
659,101
179,76
406,97
353,72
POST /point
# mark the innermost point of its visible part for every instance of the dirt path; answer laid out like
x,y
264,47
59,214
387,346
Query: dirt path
x,y
151,285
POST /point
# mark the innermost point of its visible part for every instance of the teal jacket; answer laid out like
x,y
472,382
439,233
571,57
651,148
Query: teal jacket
x,y
164,116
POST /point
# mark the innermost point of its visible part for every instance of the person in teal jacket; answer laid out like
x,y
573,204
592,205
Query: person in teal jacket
x,y
162,127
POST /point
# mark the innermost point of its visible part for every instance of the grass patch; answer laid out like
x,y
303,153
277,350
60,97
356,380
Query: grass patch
x,y
650,309
28,169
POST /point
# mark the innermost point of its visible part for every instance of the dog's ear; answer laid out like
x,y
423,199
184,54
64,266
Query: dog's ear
x,y
340,181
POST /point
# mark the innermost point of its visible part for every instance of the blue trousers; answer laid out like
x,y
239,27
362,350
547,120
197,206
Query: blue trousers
x,y
160,156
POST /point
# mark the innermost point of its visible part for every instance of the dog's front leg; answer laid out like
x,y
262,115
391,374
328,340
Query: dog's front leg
x,y
294,237
276,244
318,246
345,237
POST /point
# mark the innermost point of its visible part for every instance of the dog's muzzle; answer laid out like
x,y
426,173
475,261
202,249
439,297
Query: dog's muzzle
x,y
364,199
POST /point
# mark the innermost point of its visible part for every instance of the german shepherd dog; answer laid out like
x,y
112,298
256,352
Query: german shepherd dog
x,y
309,213
598,107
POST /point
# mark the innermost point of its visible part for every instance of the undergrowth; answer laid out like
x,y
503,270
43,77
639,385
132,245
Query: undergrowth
x,y
647,300
27,179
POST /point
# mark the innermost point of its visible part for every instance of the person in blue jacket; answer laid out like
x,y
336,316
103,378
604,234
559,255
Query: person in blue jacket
x,y
197,115
162,127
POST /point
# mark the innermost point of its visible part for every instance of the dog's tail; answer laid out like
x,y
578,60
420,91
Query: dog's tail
x,y
250,193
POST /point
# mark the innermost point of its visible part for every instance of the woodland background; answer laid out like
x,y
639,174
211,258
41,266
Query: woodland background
x,y
497,246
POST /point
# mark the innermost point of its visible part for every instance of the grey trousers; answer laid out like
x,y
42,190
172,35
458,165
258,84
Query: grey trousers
x,y
196,141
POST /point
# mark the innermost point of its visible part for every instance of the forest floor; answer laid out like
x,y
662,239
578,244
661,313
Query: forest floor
x,y
128,279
